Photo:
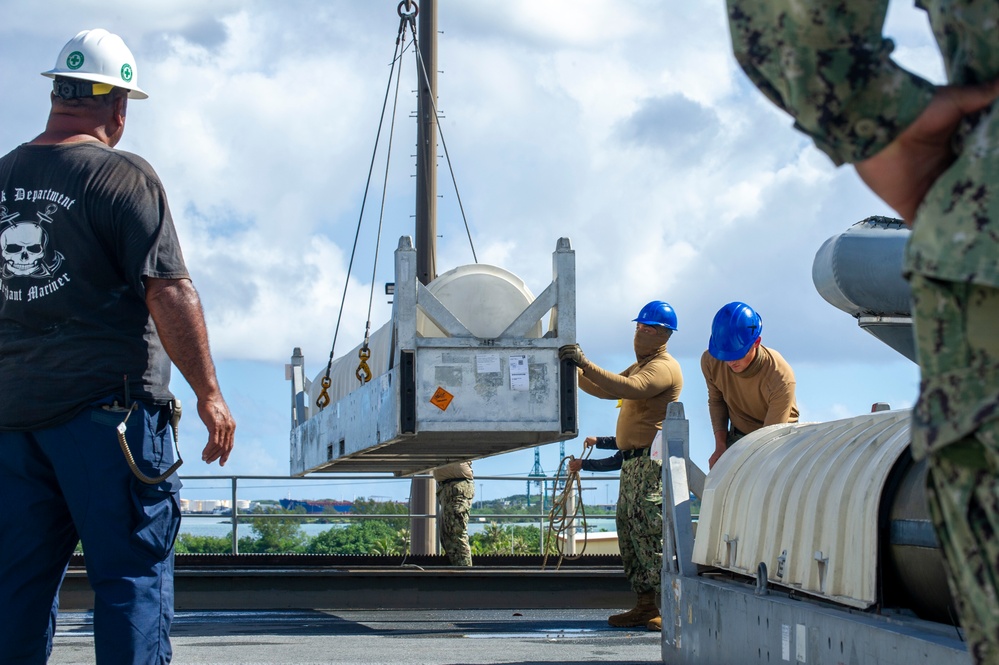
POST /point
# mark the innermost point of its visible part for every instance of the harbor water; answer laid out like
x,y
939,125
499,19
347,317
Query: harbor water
x,y
221,527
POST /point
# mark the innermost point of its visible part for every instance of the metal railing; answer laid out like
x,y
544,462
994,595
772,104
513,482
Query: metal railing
x,y
236,516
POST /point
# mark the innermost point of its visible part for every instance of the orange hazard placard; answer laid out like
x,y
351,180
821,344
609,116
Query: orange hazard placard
x,y
441,399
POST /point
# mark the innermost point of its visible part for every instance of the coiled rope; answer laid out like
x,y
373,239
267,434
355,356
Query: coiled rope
x,y
563,520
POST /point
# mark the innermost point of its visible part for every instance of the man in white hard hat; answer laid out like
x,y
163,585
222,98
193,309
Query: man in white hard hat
x,y
95,303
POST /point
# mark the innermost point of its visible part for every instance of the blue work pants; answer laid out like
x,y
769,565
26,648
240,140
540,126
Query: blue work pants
x,y
71,483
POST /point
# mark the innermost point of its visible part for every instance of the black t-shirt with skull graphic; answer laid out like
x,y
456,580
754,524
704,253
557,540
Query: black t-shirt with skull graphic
x,y
80,226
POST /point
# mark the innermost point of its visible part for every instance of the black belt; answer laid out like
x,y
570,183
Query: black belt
x,y
636,452
732,436
450,480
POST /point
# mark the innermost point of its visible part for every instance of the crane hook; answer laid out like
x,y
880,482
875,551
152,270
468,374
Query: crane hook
x,y
324,397
363,372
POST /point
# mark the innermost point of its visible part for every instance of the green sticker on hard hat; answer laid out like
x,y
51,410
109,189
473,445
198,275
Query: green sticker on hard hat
x,y
74,60
126,72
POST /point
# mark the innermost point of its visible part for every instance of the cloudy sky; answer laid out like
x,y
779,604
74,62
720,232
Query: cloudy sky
x,y
624,125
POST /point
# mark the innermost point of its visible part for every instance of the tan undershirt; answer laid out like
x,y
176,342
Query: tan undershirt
x,y
760,395
644,389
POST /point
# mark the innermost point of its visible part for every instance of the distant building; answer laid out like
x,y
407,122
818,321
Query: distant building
x,y
601,542
210,506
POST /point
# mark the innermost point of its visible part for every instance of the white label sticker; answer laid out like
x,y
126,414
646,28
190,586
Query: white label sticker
x,y
487,364
519,373
657,446
785,641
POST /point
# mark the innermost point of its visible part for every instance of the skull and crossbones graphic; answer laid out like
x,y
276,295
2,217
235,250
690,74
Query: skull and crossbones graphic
x,y
24,245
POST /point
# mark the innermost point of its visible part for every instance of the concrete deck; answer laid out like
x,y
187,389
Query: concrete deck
x,y
360,637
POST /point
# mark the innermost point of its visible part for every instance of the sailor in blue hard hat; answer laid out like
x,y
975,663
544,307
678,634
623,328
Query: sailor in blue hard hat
x,y
657,313
749,385
644,390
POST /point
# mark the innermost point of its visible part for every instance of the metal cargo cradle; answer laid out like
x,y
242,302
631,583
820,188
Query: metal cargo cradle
x,y
448,398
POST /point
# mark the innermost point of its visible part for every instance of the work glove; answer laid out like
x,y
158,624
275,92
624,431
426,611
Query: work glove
x,y
574,353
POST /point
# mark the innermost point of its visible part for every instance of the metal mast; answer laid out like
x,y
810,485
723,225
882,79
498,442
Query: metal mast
x,y
423,500
426,146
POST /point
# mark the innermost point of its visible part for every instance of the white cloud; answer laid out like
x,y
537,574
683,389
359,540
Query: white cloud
x,y
625,126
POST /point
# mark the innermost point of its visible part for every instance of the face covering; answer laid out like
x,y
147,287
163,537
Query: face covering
x,y
647,344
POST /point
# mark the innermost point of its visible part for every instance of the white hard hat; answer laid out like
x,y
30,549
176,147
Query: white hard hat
x,y
101,57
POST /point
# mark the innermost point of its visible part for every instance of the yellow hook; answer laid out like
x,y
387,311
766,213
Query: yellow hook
x,y
324,397
363,372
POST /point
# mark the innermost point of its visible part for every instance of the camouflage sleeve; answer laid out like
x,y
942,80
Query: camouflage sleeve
x,y
827,64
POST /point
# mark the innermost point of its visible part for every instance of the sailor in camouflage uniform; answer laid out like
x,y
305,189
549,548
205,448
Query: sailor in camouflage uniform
x,y
455,492
645,389
932,153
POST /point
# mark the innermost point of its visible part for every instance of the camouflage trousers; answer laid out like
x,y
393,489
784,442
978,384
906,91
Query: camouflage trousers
x,y
956,425
957,343
964,504
454,500
640,522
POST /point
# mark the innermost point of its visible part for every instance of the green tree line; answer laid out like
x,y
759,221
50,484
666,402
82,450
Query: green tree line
x,y
360,537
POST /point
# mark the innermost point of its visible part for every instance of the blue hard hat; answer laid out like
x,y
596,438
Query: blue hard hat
x,y
735,329
657,313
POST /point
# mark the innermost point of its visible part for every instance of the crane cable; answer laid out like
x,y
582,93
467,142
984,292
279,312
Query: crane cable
x,y
407,18
561,523
363,372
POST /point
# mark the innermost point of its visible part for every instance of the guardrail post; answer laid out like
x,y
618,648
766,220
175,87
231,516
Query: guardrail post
x,y
235,519
570,511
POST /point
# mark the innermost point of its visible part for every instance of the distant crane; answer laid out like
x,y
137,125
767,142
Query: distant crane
x,y
539,474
